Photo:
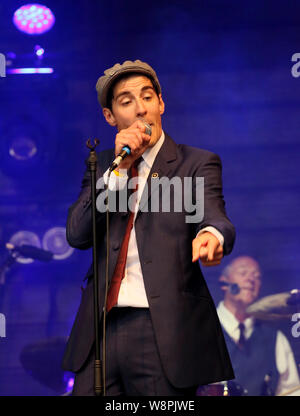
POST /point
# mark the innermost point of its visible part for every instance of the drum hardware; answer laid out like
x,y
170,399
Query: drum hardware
x,y
276,307
224,388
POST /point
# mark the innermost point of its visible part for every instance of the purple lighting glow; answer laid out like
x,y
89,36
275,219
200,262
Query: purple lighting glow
x,y
33,19
39,51
30,71
70,384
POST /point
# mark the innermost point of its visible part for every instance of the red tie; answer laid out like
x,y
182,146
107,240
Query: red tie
x,y
113,291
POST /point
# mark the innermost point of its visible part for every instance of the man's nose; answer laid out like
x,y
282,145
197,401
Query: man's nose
x,y
140,108
251,278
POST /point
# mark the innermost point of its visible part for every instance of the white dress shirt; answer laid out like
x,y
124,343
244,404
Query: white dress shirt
x,y
132,291
285,361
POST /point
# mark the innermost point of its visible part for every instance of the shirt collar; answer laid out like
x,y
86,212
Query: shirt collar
x,y
150,153
229,321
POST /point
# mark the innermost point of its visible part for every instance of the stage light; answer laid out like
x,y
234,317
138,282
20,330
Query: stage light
x,y
69,383
22,148
25,237
55,241
39,51
22,71
33,19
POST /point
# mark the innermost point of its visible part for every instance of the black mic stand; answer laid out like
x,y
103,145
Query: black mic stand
x,y
92,167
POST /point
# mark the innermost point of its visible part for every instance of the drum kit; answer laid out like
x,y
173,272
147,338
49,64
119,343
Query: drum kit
x,y
279,307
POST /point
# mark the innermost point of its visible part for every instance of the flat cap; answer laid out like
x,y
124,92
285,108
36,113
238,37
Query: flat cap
x,y
112,74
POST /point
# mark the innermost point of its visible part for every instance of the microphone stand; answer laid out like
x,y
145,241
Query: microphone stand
x,y
92,167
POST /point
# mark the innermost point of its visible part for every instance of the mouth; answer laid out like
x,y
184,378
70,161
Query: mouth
x,y
249,289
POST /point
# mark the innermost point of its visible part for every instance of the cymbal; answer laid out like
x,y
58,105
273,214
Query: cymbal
x,y
276,307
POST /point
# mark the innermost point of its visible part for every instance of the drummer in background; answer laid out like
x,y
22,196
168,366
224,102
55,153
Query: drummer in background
x,y
261,356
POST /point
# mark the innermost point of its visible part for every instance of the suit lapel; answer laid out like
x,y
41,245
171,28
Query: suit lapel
x,y
164,165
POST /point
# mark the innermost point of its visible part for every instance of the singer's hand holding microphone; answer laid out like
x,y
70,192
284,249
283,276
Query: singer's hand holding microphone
x,y
130,144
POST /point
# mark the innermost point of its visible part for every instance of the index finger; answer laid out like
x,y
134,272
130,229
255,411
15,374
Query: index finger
x,y
197,243
212,246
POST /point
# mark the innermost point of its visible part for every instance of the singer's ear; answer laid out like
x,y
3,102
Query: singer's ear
x,y
109,117
161,105
223,278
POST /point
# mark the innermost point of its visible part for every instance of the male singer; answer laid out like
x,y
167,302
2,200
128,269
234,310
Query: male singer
x,y
163,332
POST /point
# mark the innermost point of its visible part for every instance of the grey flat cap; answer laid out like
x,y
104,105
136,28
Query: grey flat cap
x,y
110,75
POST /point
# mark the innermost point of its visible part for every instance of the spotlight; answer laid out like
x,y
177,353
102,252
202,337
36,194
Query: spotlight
x,y
69,383
33,19
21,145
25,147
55,241
22,148
39,51
22,71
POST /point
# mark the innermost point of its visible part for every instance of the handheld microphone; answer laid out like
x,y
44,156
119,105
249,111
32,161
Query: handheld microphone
x,y
126,150
233,288
29,251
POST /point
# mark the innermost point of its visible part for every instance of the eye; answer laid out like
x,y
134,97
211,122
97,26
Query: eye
x,y
147,97
125,103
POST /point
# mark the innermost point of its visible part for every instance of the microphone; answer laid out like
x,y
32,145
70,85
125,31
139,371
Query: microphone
x,y
233,288
126,150
294,298
31,252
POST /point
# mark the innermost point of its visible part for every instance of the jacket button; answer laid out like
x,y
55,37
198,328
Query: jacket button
x,y
116,246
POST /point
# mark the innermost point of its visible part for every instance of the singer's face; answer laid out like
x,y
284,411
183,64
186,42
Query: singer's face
x,y
245,272
135,98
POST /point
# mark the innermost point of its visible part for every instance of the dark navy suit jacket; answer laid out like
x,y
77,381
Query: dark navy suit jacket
x,y
188,333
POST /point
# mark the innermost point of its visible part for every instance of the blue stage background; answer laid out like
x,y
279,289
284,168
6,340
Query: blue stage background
x,y
226,74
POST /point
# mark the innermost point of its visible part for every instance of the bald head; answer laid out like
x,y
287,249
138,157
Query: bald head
x,y
245,262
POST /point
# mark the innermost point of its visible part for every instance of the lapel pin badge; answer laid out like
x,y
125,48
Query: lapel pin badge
x,y
155,175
